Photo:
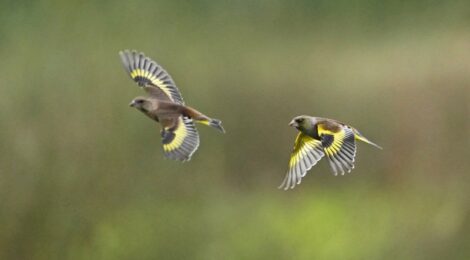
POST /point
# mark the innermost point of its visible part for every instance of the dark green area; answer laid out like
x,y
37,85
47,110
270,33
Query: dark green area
x,y
82,175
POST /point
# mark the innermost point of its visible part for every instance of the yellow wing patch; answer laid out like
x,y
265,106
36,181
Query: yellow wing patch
x,y
146,74
145,71
305,154
179,135
340,147
181,142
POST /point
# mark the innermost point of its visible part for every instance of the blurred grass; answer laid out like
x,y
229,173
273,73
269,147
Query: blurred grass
x,y
83,176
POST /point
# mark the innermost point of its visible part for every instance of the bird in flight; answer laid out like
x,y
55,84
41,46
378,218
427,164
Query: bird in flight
x,y
165,105
317,137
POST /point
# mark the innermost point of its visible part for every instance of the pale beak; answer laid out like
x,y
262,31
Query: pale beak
x,y
293,123
132,104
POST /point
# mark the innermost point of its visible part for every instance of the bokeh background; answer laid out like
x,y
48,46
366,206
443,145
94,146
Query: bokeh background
x,y
82,175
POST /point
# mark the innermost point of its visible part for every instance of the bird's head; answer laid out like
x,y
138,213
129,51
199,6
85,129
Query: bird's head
x,y
141,103
302,122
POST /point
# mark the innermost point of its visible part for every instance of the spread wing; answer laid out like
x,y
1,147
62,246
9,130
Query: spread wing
x,y
306,153
146,72
181,140
339,146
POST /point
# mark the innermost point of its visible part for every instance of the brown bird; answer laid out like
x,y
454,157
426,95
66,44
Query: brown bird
x,y
165,105
317,137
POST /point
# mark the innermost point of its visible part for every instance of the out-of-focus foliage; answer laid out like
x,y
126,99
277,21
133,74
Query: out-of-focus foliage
x,y
82,175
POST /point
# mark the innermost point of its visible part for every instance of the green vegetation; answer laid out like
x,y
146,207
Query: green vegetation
x,y
82,175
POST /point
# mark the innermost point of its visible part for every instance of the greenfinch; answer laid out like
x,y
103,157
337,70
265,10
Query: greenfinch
x,y
318,137
165,105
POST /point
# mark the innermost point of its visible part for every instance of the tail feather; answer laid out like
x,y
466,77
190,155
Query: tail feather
x,y
215,123
360,137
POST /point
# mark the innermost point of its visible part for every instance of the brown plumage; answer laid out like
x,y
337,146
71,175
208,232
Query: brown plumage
x,y
165,105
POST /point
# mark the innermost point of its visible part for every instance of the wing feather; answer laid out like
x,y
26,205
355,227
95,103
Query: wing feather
x,y
305,154
340,148
180,142
145,71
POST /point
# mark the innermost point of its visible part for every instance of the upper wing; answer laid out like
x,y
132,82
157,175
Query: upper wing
x,y
157,93
340,147
181,140
306,153
145,71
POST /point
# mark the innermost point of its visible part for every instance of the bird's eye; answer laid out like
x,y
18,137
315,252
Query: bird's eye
x,y
299,120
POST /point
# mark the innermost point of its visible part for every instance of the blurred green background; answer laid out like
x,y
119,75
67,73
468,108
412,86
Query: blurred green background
x,y
82,175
